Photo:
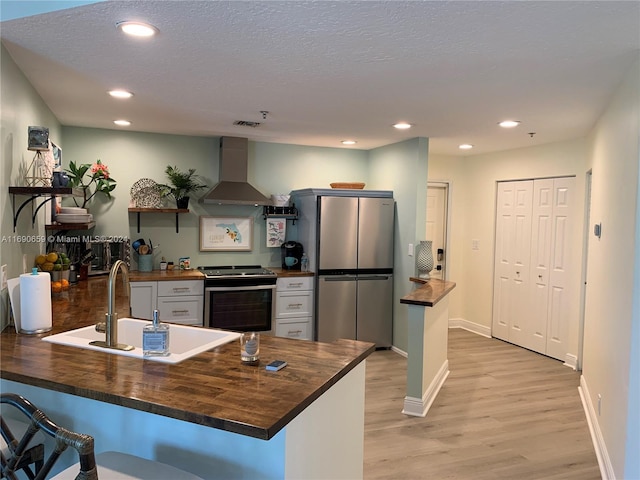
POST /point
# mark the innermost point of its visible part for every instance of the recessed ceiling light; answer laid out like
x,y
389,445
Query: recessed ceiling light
x,y
122,123
120,94
402,125
509,123
465,146
137,29
349,142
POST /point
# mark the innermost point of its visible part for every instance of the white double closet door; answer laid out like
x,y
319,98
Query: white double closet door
x,y
532,264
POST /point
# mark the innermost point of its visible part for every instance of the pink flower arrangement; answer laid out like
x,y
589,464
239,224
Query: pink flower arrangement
x,y
100,167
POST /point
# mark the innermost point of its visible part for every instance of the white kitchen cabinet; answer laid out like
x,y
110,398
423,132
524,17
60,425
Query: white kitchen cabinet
x,y
143,299
294,307
179,301
532,304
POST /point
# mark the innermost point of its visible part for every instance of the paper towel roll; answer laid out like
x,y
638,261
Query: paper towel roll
x,y
35,302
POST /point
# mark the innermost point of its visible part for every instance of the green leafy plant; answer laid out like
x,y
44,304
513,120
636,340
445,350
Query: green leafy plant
x,y
181,184
87,176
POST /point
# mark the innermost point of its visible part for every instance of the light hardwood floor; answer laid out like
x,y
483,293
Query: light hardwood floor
x,y
503,413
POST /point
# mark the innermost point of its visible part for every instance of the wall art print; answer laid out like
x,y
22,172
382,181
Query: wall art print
x,y
276,231
226,234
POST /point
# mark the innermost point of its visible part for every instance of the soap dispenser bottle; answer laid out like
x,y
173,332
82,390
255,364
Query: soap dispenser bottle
x,y
155,338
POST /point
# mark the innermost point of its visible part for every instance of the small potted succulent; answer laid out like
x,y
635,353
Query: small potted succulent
x,y
181,184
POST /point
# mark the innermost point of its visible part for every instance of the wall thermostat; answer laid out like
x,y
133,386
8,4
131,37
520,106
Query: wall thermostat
x,y
597,229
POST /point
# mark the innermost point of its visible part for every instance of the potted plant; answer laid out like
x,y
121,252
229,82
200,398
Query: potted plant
x,y
181,184
86,175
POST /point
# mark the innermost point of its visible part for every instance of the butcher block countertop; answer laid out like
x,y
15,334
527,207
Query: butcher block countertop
x,y
429,292
282,273
195,274
166,275
212,388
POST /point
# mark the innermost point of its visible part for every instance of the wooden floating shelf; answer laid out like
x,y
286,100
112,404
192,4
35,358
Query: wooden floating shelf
x,y
36,192
177,211
70,226
159,210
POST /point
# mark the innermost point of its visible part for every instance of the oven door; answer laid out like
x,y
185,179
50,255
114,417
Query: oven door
x,y
242,308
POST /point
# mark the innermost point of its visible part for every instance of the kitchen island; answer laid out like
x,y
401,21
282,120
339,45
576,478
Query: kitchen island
x,y
428,324
209,414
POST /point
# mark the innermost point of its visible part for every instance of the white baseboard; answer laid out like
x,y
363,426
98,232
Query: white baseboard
x,y
606,468
571,361
470,326
418,407
399,352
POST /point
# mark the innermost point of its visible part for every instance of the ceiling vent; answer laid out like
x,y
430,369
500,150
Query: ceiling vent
x,y
246,123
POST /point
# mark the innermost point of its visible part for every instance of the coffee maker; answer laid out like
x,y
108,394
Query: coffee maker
x,y
291,255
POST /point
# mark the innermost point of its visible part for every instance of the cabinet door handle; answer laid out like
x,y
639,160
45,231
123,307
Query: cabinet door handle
x,y
180,289
294,285
294,306
294,333
179,312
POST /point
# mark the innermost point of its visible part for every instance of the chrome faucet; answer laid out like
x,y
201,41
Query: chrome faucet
x,y
111,317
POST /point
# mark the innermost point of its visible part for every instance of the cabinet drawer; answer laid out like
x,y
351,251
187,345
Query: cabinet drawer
x,y
297,304
186,310
288,284
299,329
181,287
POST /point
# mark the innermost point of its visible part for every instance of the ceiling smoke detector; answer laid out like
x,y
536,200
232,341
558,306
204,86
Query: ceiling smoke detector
x,y
246,123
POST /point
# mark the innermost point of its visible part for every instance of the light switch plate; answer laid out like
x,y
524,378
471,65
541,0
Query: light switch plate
x,y
410,252
3,277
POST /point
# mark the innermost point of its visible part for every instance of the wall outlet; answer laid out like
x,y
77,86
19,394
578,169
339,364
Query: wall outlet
x,y
410,251
475,244
3,277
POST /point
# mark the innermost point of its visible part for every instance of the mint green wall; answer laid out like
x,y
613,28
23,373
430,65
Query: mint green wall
x,y
273,168
280,168
21,107
402,167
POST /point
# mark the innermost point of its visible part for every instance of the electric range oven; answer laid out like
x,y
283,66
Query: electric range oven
x,y
239,298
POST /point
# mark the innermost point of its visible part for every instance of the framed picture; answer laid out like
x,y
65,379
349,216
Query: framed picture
x,y
57,155
226,234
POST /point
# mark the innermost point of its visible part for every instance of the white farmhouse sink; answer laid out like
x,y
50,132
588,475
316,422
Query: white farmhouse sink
x,y
184,341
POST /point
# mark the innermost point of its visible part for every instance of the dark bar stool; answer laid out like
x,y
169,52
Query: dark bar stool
x,y
109,465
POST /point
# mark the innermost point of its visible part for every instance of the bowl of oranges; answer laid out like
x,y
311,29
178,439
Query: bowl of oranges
x,y
57,264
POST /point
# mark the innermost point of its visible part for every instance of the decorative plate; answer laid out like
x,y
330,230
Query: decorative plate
x,y
145,193
351,185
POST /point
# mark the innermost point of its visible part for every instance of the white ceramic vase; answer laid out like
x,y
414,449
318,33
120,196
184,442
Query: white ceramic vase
x,y
424,261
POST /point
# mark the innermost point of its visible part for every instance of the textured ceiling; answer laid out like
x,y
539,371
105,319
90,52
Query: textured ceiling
x,y
327,71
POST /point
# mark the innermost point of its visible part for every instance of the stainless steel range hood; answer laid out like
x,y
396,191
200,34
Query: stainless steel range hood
x,y
233,188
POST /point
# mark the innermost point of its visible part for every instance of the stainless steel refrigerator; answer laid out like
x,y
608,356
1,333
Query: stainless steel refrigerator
x,y
349,237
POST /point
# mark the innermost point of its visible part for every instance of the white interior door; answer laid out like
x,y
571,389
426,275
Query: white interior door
x,y
436,226
541,228
561,289
512,259
532,271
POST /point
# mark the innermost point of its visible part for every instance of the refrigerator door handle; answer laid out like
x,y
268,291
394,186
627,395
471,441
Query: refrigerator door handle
x,y
373,277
